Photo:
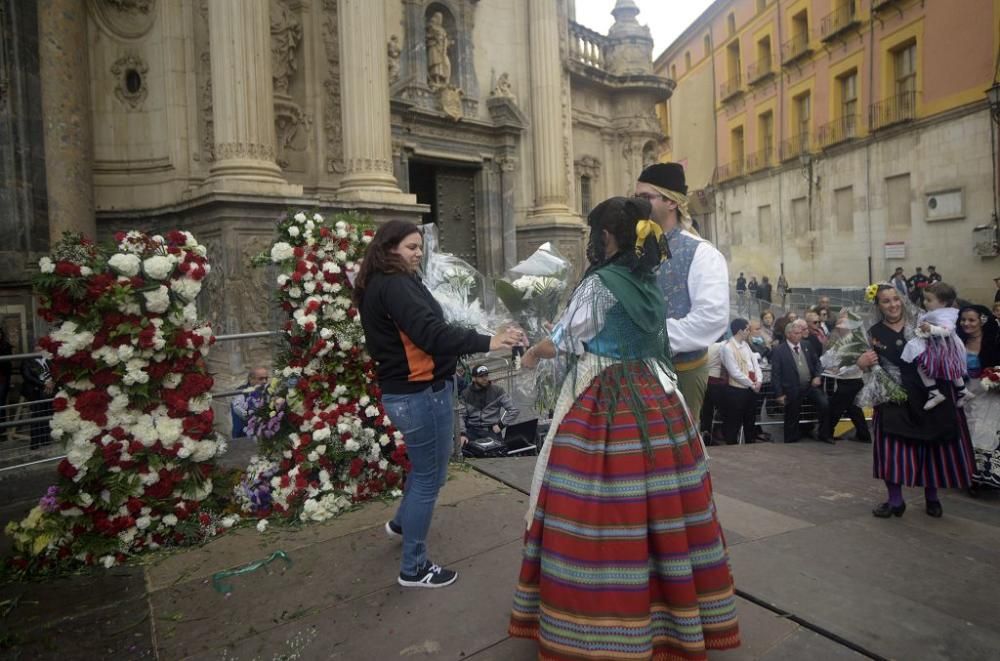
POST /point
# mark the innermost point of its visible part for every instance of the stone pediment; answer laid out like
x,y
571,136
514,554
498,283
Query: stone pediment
x,y
504,112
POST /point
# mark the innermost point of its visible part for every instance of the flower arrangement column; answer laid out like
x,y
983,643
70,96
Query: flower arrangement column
x,y
365,105
64,77
243,99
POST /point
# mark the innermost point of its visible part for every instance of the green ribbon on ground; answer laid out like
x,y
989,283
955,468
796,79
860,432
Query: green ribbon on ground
x,y
246,569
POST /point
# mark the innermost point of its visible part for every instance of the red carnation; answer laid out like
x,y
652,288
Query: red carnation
x,y
67,269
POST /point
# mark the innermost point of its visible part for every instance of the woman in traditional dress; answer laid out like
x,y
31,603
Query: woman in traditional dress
x,y
912,447
982,350
624,556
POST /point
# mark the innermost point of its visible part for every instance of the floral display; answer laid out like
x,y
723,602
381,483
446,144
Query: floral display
x,y
132,406
990,379
534,288
325,442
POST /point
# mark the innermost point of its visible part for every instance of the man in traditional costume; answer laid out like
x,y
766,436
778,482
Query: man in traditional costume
x,y
694,281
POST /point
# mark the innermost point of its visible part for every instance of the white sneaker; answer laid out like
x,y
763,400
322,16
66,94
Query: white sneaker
x,y
393,531
935,399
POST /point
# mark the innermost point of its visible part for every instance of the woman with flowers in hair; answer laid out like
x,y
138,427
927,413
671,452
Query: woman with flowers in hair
x,y
624,556
981,337
912,447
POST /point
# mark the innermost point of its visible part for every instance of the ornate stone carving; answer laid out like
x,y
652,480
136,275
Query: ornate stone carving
x,y
290,123
331,84
393,50
286,35
587,166
131,88
127,19
207,123
227,150
438,62
502,89
450,98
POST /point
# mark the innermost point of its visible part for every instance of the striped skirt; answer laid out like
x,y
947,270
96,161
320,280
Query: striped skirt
x,y
945,465
625,558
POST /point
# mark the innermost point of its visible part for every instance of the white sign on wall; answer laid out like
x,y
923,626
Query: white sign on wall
x,y
944,205
895,249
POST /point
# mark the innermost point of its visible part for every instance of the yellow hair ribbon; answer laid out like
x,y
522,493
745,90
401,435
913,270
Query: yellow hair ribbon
x,y
647,229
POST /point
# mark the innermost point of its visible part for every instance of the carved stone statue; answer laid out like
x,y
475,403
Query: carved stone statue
x,y
438,62
503,88
286,34
394,51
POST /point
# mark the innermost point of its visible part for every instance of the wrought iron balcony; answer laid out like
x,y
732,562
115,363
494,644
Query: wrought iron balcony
x,y
795,146
760,70
894,110
795,48
731,87
839,130
731,170
838,21
760,160
878,5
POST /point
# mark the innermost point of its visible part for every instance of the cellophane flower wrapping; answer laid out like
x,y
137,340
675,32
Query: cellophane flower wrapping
x,y
324,440
457,286
846,344
132,405
534,291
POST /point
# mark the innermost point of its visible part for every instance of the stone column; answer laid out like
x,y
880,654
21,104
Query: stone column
x,y
364,93
69,144
243,99
546,109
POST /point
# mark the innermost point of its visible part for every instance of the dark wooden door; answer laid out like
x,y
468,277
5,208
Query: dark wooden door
x,y
455,212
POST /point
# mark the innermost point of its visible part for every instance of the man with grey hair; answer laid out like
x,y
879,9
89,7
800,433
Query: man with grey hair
x,y
795,377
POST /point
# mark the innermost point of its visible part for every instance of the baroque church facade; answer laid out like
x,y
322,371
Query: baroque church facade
x,y
501,121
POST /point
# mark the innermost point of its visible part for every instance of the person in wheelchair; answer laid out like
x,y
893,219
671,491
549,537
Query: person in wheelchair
x,y
484,408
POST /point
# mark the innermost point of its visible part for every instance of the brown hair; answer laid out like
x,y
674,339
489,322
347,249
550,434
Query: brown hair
x,y
379,258
943,292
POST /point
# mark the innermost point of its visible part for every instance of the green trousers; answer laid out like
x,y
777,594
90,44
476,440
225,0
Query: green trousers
x,y
693,384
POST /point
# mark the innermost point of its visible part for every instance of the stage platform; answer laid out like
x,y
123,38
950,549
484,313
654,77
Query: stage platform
x,y
819,578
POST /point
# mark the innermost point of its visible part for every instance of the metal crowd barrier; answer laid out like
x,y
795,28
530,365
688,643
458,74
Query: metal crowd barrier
x,y
22,440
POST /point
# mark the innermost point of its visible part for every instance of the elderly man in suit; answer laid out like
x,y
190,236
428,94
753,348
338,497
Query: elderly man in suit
x,y
795,376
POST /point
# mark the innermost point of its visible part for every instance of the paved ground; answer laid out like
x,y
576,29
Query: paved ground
x,y
820,578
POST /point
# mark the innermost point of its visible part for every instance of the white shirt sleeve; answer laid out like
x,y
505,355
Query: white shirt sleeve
x,y
733,365
581,320
708,287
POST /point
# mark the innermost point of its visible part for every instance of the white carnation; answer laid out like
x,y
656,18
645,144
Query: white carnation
x,y
281,251
125,263
158,267
46,265
158,300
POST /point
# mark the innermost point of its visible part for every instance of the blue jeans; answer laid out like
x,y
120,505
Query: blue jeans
x,y
425,419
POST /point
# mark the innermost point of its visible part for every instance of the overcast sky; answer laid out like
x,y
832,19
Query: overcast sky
x,y
666,18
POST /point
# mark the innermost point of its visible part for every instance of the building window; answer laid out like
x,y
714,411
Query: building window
x,y
764,56
687,61
800,216
735,229
843,202
761,4
765,133
800,30
736,148
731,23
708,45
733,62
898,193
849,94
803,115
764,233
673,71
586,196
905,62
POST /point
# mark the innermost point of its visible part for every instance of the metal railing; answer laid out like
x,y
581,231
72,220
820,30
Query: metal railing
x,y
731,170
18,445
839,130
759,160
881,4
587,46
794,146
795,48
894,110
731,87
838,20
760,70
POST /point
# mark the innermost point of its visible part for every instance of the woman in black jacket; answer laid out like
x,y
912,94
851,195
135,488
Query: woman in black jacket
x,y
415,353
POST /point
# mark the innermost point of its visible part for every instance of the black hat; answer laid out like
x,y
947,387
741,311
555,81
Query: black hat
x,y
665,175
481,370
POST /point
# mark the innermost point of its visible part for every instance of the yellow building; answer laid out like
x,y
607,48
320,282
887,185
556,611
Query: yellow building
x,y
840,139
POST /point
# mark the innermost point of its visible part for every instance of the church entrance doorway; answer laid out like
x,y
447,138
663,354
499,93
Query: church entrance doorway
x,y
450,192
